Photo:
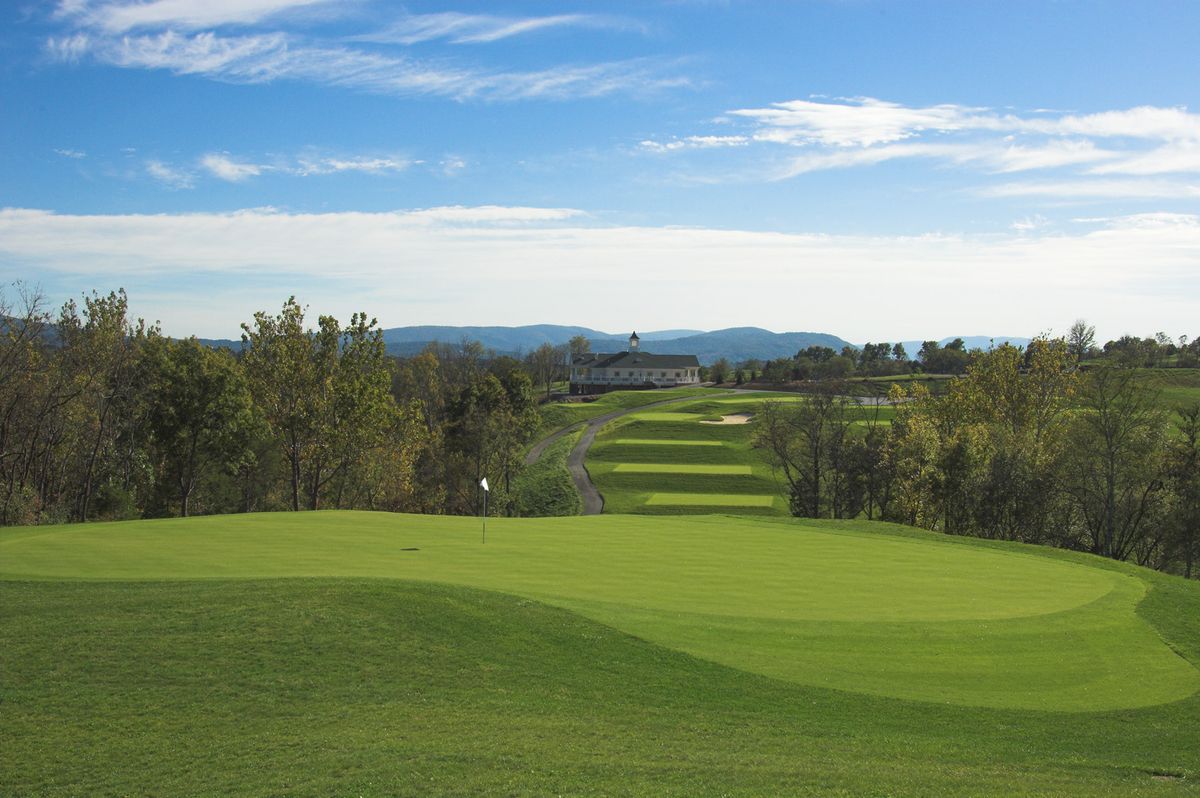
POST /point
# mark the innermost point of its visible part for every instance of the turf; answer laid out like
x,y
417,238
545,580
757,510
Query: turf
x,y
829,605
174,682
659,442
556,415
710,500
639,460
378,688
681,468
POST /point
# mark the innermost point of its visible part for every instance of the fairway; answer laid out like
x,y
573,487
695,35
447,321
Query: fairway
x,y
681,468
661,442
710,500
824,604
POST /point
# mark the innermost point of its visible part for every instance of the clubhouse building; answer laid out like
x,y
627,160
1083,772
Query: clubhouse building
x,y
600,373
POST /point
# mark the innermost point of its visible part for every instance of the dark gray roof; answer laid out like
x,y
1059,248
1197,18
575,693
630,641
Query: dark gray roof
x,y
644,360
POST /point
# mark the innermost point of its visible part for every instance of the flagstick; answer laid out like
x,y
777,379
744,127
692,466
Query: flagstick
x,y
485,493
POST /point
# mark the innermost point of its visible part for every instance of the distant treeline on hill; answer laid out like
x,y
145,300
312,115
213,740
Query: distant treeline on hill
x,y
735,343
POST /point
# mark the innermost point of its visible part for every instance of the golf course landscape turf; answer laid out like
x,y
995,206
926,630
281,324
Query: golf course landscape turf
x,y
372,653
682,459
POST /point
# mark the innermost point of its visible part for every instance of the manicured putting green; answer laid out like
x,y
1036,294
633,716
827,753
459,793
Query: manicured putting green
x,y
711,499
682,468
820,603
662,442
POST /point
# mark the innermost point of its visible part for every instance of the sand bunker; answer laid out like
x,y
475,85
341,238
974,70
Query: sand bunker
x,y
735,418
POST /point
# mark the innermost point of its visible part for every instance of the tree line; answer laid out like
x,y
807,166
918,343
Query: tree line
x,y
884,359
1026,446
104,417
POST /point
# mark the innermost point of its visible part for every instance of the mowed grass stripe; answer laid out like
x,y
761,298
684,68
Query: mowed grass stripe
x,y
660,442
652,415
710,500
682,468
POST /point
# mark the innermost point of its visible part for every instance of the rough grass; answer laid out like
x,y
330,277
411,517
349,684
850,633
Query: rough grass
x,y
356,686
545,488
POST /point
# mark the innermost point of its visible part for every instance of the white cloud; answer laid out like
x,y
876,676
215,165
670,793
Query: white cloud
x,y
170,175
860,122
1176,157
1096,189
866,121
222,166
69,153
460,28
490,214
262,58
325,166
68,49
694,143
788,139
453,165
495,265
120,16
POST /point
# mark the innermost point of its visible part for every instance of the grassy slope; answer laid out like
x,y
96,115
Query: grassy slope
x,y
557,415
375,687
545,488
1180,388
352,687
832,605
656,437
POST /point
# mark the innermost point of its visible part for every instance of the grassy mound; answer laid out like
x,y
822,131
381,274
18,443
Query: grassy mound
x,y
830,605
374,687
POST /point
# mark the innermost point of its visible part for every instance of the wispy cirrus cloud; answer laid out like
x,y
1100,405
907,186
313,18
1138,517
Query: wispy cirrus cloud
x,y
170,176
66,152
226,168
1096,189
367,165
267,57
799,137
694,143
238,169
458,28
120,16
190,37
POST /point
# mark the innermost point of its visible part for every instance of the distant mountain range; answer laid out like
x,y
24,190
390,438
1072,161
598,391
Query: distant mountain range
x,y
734,344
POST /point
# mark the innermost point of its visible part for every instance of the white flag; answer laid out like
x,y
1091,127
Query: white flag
x,y
483,483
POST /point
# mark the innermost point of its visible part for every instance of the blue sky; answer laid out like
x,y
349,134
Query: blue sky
x,y
878,169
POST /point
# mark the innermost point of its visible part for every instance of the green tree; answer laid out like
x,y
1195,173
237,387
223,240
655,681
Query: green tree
x,y
199,412
1183,480
579,345
807,443
1112,472
1081,338
287,384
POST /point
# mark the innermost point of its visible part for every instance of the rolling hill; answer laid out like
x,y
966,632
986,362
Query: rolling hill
x,y
378,654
